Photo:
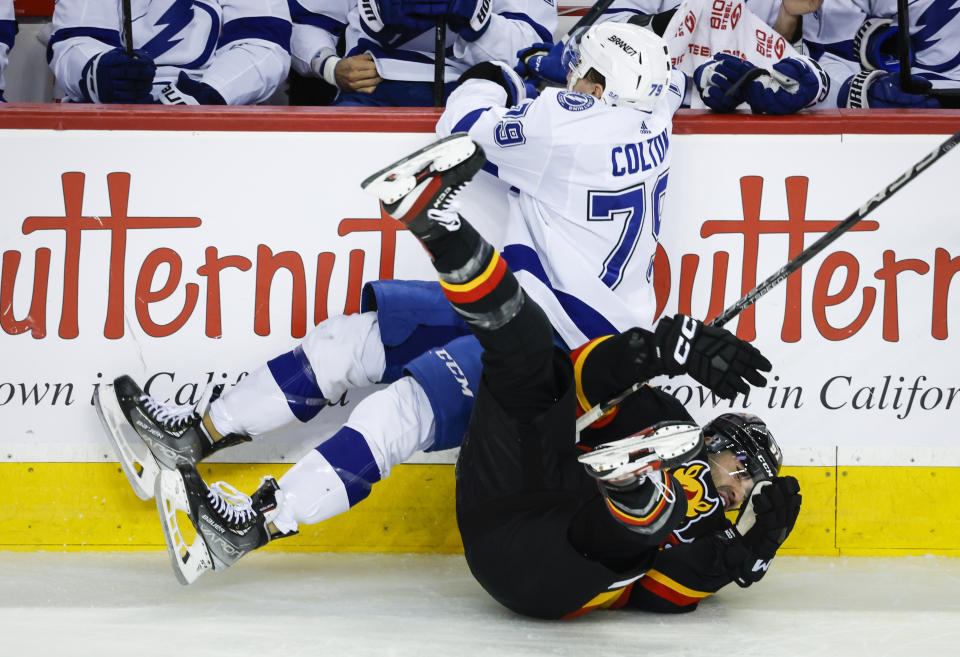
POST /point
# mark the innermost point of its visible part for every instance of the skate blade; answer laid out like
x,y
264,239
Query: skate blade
x,y
393,182
188,561
663,446
135,459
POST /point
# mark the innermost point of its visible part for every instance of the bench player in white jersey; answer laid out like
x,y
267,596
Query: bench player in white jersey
x,y
8,30
716,44
390,44
205,52
607,195
856,41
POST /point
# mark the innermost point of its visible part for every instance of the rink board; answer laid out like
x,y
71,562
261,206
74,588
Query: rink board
x,y
865,354
846,511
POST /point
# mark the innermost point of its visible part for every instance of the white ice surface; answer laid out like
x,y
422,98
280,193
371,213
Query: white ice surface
x,y
128,604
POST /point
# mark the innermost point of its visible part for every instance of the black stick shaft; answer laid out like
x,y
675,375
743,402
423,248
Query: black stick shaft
x,y
802,258
439,62
592,15
127,27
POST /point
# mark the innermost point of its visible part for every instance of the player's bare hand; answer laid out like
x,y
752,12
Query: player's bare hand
x,y
357,73
799,7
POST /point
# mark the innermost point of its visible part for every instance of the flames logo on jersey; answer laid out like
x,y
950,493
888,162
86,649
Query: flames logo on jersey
x,y
701,501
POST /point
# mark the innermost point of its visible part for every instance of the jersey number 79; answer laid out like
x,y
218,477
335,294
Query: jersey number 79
x,y
629,204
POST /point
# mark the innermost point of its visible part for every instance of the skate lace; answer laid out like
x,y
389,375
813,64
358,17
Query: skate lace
x,y
666,491
171,416
230,504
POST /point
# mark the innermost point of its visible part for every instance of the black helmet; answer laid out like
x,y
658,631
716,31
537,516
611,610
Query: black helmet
x,y
748,437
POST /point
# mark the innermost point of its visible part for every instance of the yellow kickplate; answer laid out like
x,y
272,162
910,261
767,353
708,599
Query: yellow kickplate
x,y
89,506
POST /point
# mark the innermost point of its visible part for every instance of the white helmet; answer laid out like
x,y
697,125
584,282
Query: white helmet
x,y
634,61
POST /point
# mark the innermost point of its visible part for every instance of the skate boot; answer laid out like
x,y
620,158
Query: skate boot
x,y
663,446
148,435
419,189
228,524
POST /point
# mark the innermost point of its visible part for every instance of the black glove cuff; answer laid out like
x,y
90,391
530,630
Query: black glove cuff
x,y
493,73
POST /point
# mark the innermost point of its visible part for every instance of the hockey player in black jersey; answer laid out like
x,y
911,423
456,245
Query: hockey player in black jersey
x,y
555,524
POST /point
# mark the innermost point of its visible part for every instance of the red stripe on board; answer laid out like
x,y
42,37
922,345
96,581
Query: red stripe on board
x,y
33,7
65,116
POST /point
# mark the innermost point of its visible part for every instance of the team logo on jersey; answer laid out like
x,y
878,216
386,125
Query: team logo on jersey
x,y
574,101
700,502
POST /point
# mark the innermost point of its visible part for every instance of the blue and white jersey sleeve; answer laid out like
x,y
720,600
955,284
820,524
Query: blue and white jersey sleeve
x,y
317,26
514,25
8,30
253,51
831,28
241,48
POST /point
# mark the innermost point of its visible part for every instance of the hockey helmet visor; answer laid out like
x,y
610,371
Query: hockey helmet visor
x,y
751,442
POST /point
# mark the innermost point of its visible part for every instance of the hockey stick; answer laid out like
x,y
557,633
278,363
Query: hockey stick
x,y
127,27
947,97
439,61
591,16
802,258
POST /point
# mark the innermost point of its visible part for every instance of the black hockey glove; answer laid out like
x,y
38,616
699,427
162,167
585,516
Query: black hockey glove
x,y
499,74
765,522
711,355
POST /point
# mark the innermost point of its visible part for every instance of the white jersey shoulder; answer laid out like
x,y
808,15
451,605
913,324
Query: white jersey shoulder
x,y
239,47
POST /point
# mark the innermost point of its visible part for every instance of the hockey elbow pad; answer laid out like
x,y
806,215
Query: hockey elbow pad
x,y
500,74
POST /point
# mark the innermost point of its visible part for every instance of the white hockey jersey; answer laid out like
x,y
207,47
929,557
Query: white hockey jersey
x,y
241,48
586,209
701,29
514,25
8,30
828,35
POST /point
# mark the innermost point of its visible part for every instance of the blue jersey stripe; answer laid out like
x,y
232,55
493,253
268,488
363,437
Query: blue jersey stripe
x,y
544,34
109,37
8,31
349,454
590,322
294,376
265,28
464,124
303,16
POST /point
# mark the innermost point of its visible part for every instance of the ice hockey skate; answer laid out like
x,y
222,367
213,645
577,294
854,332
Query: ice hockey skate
x,y
419,189
228,523
148,435
663,446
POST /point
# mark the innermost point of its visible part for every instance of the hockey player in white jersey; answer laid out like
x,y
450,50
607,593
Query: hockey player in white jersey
x,y
390,44
590,165
716,44
186,52
856,41
8,30
603,198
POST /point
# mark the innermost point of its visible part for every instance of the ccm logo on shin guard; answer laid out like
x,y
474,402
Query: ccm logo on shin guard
x,y
687,331
458,374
